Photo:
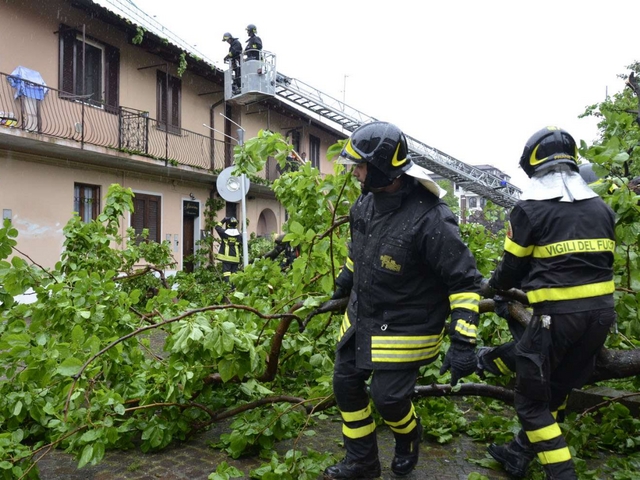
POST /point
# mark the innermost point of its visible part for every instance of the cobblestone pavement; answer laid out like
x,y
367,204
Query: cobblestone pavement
x,y
195,460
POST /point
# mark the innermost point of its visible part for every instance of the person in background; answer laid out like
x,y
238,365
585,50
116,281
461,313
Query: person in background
x,y
230,240
559,250
254,43
407,270
233,59
282,246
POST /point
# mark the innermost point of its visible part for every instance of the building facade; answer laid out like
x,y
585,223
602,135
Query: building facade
x,y
88,99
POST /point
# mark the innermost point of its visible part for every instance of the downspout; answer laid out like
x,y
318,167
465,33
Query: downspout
x,y
213,191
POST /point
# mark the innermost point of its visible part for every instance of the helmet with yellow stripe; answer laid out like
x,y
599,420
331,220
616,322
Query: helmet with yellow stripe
x,y
548,147
384,147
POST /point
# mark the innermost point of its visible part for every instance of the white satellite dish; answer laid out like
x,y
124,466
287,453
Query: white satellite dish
x,y
230,186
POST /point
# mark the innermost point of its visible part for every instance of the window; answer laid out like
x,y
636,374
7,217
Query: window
x,y
88,68
146,214
473,202
168,102
314,151
86,201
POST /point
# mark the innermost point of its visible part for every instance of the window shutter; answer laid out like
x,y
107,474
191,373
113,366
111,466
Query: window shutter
x,y
112,76
160,87
175,102
66,69
154,220
138,215
146,214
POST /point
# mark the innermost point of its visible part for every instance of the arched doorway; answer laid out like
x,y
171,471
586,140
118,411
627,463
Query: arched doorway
x,y
267,223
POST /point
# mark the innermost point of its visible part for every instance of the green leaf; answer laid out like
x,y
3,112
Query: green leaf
x,y
296,228
91,435
70,367
77,335
87,455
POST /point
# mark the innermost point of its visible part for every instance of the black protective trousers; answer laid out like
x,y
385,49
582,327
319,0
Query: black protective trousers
x,y
391,392
556,354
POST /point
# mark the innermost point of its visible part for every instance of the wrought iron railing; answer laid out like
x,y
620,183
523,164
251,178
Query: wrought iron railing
x,y
59,114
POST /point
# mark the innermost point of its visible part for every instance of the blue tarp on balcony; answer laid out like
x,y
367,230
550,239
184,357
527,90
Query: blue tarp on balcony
x,y
28,83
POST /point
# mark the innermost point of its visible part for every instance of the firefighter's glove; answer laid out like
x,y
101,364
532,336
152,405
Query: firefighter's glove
x,y
501,307
486,290
460,360
340,293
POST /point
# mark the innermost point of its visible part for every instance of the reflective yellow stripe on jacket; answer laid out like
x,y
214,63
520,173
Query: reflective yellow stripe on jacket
x,y
467,300
566,247
571,293
400,349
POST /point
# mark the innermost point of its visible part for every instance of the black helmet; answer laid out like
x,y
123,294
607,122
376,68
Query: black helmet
x,y
251,28
227,36
232,222
547,147
383,146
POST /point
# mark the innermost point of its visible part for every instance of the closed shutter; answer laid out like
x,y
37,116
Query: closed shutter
x,y
112,76
147,214
176,88
153,218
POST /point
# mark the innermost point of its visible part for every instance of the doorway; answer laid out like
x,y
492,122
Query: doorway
x,y
190,211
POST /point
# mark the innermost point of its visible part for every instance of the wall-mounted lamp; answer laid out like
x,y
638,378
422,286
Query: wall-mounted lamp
x,y
192,196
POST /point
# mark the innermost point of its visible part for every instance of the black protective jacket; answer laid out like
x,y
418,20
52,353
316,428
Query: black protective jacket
x,y
560,254
407,269
235,50
253,48
230,239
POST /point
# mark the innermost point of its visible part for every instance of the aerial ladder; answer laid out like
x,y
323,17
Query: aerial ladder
x,y
335,113
333,110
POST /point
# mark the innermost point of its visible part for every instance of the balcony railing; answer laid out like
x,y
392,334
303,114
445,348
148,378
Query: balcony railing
x,y
63,115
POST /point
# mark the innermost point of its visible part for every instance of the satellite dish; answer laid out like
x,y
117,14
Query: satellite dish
x,y
230,186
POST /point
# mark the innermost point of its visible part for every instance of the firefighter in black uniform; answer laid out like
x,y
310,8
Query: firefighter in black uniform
x,y
407,270
229,252
559,249
254,43
501,360
233,59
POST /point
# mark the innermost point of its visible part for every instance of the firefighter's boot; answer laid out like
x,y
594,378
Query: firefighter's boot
x,y
561,470
347,469
514,456
406,454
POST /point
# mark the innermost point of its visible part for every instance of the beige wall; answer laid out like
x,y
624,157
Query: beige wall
x,y
39,193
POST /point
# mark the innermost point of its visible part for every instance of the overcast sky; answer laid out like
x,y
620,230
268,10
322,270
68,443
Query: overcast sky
x,y
472,78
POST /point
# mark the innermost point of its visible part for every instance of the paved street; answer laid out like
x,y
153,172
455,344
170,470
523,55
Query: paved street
x,y
195,460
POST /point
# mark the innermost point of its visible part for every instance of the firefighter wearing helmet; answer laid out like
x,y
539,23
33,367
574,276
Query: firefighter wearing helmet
x,y
254,43
407,271
559,249
230,240
233,59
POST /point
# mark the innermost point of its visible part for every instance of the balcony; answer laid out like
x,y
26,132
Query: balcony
x,y
129,133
